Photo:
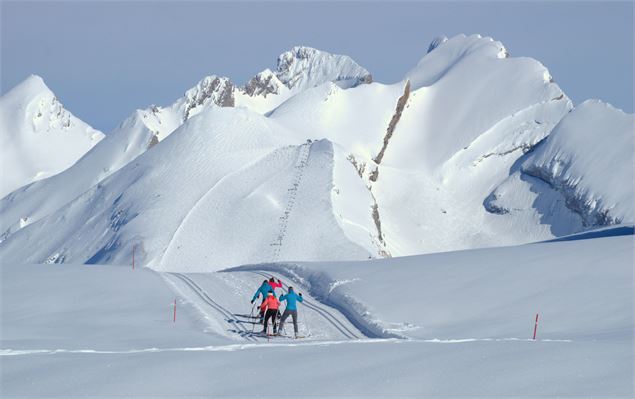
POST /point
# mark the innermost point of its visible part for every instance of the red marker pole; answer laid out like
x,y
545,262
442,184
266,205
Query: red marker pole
x,y
174,319
536,326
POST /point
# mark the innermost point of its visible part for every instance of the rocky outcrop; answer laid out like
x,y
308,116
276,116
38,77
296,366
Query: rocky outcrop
x,y
401,103
212,89
263,84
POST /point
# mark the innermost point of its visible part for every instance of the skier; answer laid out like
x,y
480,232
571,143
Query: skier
x,y
274,284
263,290
292,308
270,307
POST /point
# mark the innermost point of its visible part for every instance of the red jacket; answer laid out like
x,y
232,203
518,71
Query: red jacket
x,y
275,284
271,303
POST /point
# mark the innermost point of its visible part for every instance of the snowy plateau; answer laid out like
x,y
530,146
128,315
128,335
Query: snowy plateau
x,y
464,232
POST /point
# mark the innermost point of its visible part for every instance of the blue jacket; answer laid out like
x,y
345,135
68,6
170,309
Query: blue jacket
x,y
291,299
264,289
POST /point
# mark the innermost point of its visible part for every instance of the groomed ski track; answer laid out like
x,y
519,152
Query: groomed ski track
x,y
230,308
325,312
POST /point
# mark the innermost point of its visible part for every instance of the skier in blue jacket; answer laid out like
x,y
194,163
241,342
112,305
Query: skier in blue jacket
x,y
292,309
263,290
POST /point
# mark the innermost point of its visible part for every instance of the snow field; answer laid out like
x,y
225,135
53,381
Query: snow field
x,y
582,290
326,369
467,317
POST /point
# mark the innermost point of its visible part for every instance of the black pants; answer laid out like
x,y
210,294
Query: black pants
x,y
271,314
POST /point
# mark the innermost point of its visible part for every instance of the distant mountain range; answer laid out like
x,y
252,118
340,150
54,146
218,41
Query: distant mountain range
x,y
316,161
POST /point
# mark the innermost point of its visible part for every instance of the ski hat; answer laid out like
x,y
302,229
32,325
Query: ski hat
x,y
265,282
269,293
290,288
272,279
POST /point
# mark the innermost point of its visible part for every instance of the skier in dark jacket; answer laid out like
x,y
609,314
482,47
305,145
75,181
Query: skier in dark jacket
x,y
292,308
263,290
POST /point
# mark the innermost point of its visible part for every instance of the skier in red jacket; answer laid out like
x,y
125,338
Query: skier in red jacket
x,y
274,284
270,307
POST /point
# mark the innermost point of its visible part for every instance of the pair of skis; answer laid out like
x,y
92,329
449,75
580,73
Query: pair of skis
x,y
283,336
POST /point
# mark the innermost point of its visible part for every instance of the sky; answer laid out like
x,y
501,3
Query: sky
x,y
103,60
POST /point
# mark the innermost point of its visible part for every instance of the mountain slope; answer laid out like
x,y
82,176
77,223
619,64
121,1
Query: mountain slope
x,y
299,68
34,201
581,175
439,161
38,137
431,148
207,168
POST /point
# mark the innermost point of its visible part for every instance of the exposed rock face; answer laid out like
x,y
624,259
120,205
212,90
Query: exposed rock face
x,y
263,84
401,103
212,89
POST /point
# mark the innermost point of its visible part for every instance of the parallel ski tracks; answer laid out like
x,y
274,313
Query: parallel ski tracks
x,y
242,330
229,316
325,313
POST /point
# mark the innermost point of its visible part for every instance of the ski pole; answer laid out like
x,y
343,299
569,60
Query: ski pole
x,y
251,316
281,327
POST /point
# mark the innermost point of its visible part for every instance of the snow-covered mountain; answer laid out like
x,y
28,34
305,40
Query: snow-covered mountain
x,y
306,163
581,176
34,201
38,137
299,69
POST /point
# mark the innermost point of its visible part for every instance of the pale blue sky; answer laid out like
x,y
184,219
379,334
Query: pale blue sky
x,y
105,59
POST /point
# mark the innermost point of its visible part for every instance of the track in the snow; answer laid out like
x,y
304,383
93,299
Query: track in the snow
x,y
300,166
325,313
230,317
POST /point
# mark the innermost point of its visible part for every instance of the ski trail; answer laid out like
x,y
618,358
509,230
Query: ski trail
x,y
226,314
300,166
237,347
323,312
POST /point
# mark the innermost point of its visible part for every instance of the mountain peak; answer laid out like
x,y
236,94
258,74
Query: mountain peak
x,y
304,67
30,87
215,89
265,82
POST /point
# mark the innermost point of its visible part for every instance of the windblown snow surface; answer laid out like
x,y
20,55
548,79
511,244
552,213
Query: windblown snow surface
x,y
456,324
